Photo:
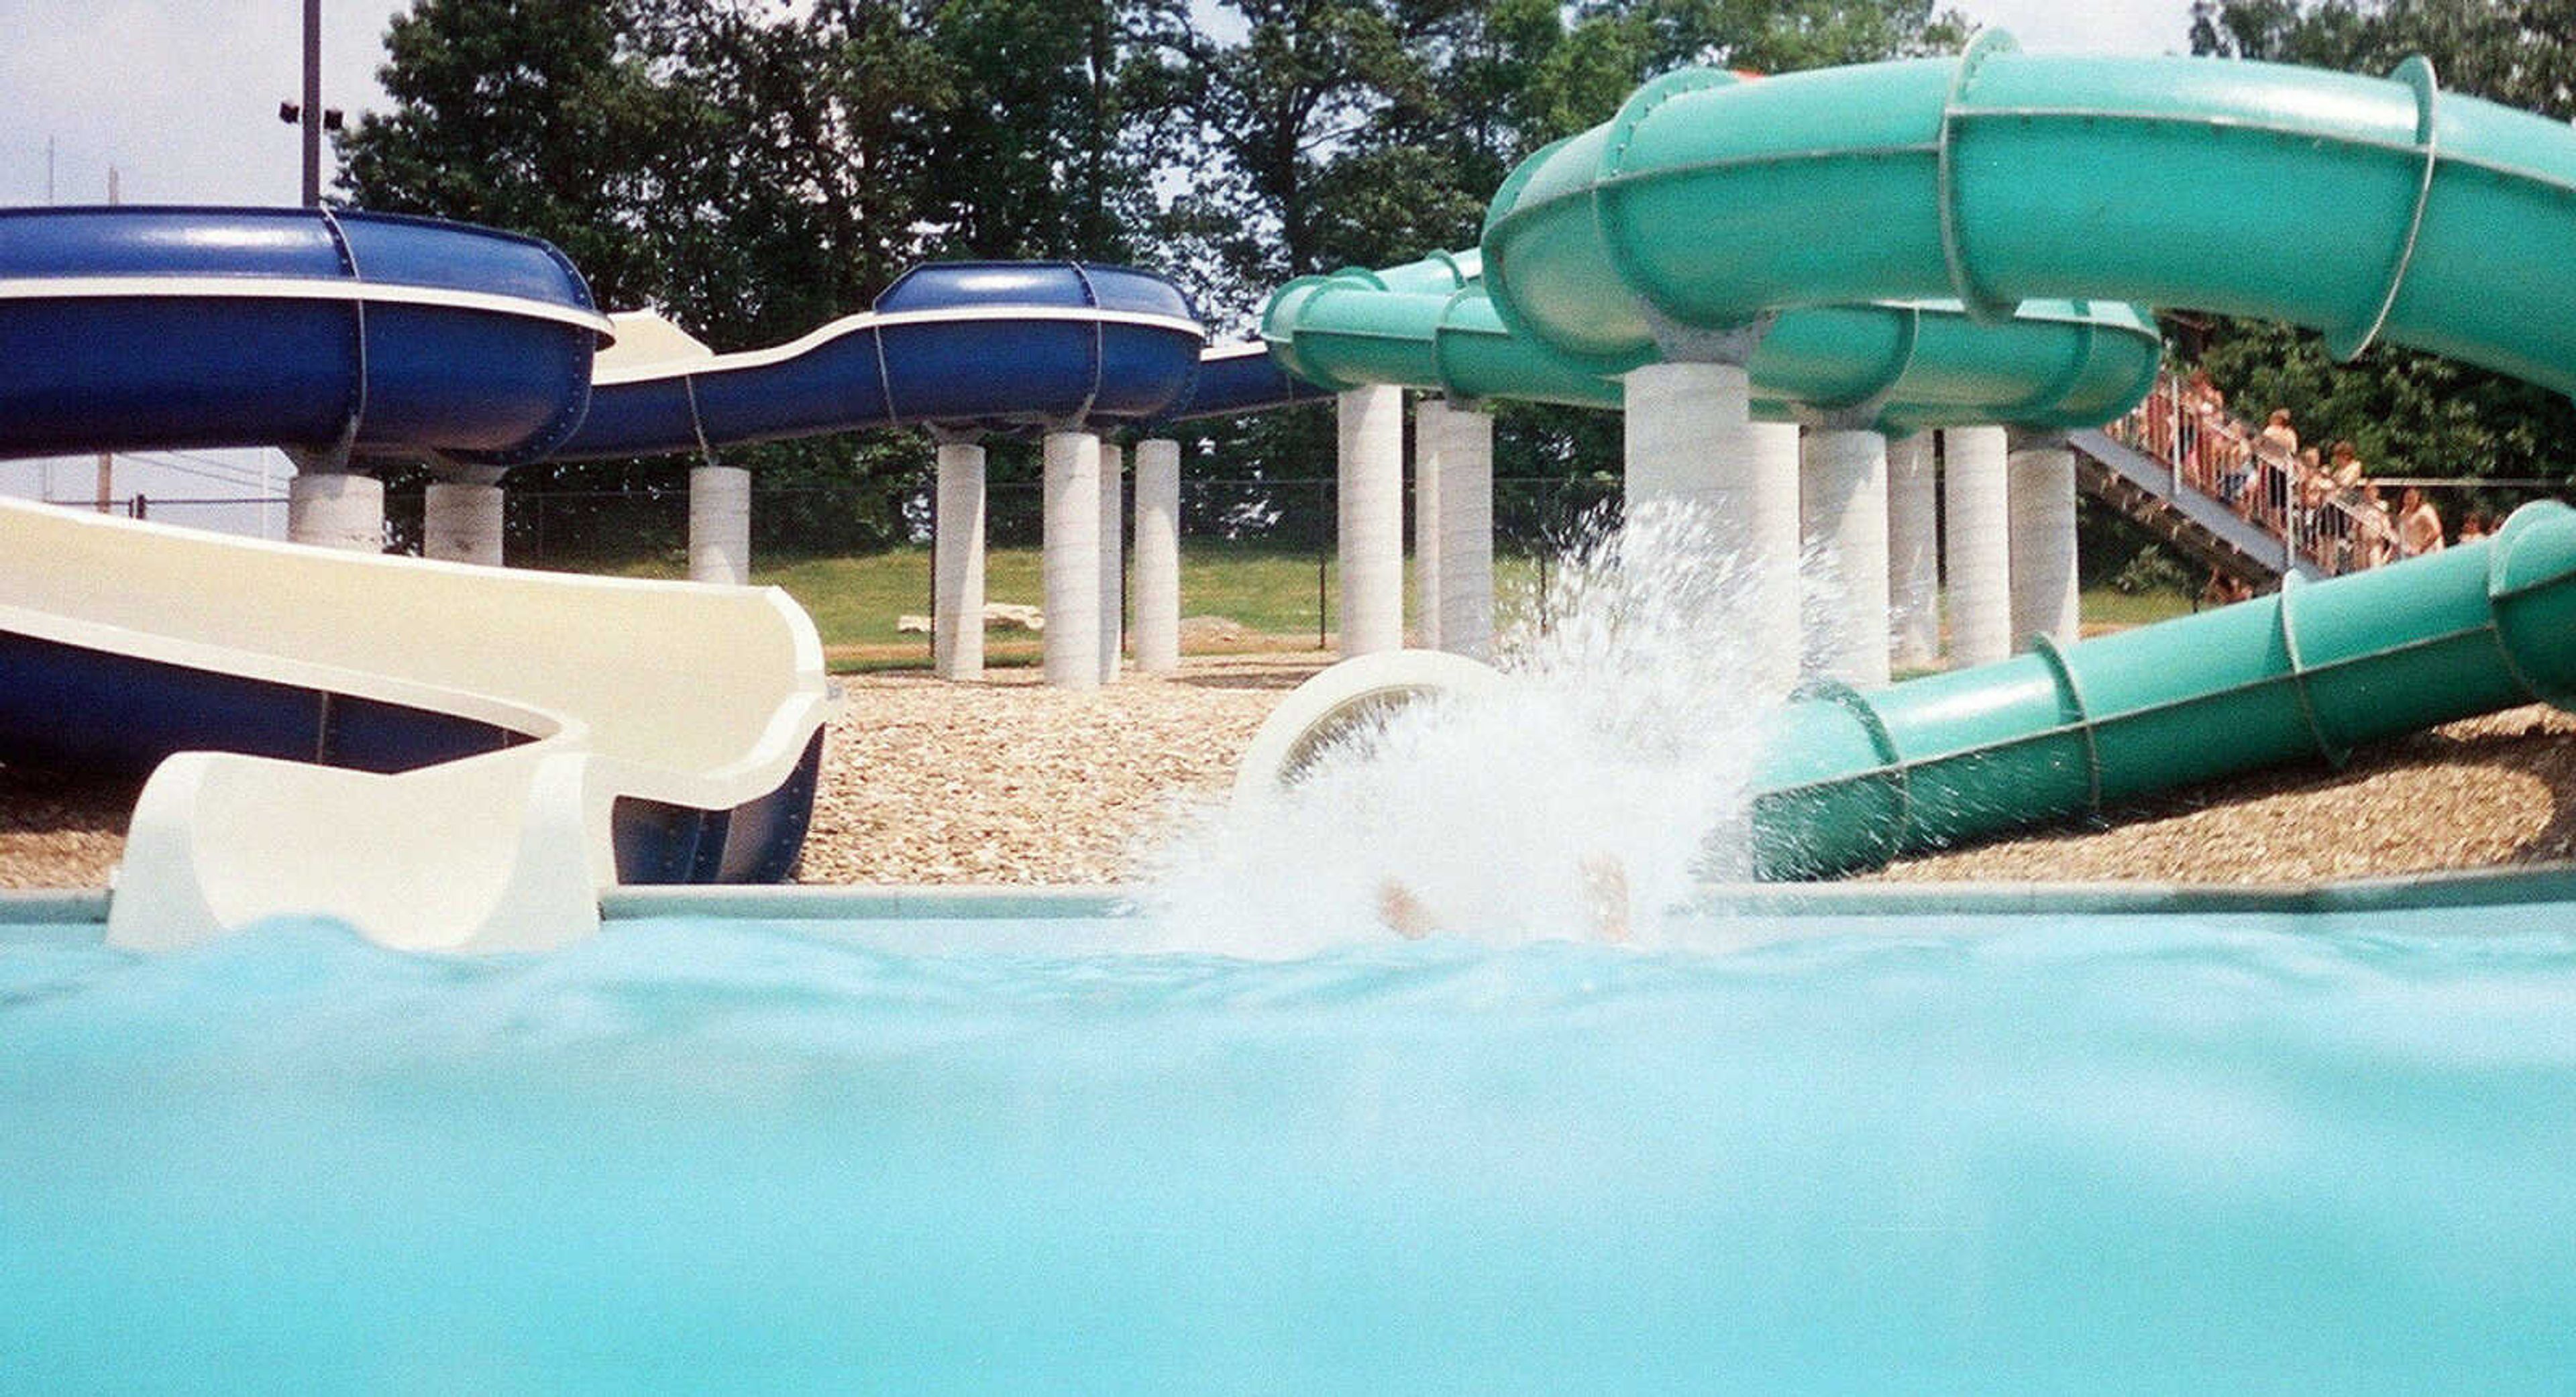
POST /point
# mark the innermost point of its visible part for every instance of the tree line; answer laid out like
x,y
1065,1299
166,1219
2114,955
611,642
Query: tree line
x,y
2408,413
754,168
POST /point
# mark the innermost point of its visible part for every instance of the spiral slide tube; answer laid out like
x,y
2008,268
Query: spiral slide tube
x,y
1859,373
2431,220
128,329
1234,379
1710,204
1896,367
1857,779
2440,222
1853,779
960,346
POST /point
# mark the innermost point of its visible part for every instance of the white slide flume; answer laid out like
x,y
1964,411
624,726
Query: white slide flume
x,y
594,692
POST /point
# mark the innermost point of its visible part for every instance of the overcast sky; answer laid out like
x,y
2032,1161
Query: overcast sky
x,y
181,95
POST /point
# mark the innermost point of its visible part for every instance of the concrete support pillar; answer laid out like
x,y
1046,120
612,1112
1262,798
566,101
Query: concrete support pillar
x,y
1430,441
1976,539
1372,520
1692,441
337,509
1113,558
720,525
1843,499
957,564
2041,468
1467,532
1913,553
1070,559
1158,556
461,521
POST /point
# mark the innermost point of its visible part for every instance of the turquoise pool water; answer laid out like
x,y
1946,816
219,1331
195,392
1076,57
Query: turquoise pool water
x,y
1965,1149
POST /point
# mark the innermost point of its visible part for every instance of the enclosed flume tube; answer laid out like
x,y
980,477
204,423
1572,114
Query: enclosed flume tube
x,y
962,346
2425,218
1895,366
1852,780
142,328
1240,378
1856,779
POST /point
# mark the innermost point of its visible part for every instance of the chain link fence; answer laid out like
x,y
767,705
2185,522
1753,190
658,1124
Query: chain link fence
x,y
1259,569
1258,557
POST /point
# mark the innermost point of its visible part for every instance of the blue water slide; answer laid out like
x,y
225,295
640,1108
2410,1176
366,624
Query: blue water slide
x,y
963,346
1234,379
179,328
336,332
325,331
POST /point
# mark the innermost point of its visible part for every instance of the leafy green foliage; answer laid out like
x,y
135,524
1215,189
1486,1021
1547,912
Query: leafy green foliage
x,y
2406,412
753,168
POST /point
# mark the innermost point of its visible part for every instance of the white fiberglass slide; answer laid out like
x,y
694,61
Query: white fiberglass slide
x,y
599,690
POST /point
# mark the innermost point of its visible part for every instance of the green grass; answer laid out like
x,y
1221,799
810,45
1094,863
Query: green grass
x,y
2101,606
854,600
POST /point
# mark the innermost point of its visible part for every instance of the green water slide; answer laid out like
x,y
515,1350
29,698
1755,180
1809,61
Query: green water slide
x,y
1850,780
2367,208
1858,779
1900,366
2363,207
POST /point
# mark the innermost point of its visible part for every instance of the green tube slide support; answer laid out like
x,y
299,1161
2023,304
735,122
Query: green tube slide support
x,y
1857,779
1897,366
2366,208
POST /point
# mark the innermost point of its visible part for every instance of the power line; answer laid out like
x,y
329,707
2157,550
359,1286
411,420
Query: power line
x,y
222,474
203,467
220,463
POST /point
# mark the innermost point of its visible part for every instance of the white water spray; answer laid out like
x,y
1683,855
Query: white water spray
x,y
1597,785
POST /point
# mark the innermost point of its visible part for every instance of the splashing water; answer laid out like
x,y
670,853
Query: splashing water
x,y
1593,788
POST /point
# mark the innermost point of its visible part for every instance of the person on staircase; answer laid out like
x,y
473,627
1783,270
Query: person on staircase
x,y
2276,455
2419,525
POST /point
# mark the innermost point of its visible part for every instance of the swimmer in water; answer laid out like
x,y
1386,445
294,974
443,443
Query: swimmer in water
x,y
1403,911
1605,901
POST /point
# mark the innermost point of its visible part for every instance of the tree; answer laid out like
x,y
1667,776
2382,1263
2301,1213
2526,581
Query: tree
x,y
754,168
532,115
2407,412
1333,133
2518,52
751,172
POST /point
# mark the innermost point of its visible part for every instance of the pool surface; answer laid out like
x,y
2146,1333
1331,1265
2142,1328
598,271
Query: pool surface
x,y
2002,1141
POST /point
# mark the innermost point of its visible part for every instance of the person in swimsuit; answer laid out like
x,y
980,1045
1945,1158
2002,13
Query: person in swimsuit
x,y
2374,533
2276,454
1606,902
2419,525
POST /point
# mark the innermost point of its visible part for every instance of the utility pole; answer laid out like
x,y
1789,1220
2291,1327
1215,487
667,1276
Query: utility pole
x,y
106,459
309,113
312,104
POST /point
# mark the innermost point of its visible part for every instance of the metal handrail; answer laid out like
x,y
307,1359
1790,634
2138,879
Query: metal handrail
x,y
2215,456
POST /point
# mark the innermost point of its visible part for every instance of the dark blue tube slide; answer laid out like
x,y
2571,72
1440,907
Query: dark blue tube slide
x,y
129,329
354,335
962,346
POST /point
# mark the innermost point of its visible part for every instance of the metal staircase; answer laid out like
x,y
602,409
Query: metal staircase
x,y
2154,494
2164,464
